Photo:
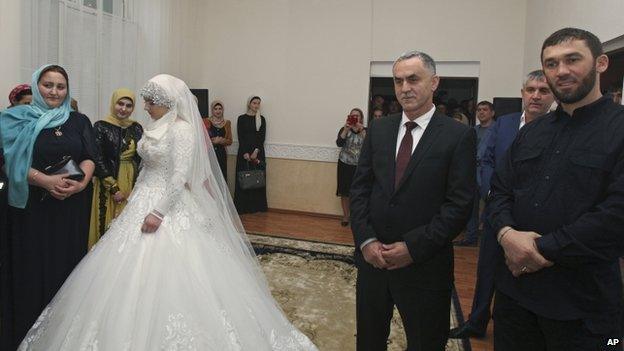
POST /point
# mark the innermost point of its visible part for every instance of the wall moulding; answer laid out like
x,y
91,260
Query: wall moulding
x,y
296,152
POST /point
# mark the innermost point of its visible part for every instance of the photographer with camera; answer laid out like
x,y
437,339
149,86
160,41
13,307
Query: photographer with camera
x,y
350,139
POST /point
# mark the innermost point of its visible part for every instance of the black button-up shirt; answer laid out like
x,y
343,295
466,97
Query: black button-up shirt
x,y
563,178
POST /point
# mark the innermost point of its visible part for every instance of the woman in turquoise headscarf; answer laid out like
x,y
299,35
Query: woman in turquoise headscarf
x,y
48,214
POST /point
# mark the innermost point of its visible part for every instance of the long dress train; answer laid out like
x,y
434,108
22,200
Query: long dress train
x,y
180,288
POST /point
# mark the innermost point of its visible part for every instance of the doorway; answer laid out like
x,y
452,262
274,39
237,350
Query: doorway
x,y
612,79
457,94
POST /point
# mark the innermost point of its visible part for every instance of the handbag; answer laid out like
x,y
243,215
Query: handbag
x,y
251,178
66,166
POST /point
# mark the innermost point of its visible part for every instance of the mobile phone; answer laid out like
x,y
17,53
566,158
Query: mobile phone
x,y
352,119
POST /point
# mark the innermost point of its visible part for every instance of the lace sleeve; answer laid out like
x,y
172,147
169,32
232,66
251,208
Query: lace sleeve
x,y
181,152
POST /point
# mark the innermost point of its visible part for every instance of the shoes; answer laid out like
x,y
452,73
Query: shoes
x,y
465,331
465,242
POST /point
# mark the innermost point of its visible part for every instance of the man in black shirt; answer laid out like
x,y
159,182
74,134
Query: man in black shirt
x,y
557,206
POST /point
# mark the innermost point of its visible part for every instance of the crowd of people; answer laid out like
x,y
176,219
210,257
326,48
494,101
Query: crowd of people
x,y
549,182
79,268
65,181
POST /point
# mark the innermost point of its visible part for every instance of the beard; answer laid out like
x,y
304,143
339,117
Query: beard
x,y
570,97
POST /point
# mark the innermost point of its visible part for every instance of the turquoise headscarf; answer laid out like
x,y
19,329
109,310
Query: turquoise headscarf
x,y
19,128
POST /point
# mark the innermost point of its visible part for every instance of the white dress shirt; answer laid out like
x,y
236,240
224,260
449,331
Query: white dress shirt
x,y
417,133
522,121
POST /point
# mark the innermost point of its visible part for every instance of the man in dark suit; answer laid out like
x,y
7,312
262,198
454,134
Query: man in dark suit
x,y
411,196
557,207
536,101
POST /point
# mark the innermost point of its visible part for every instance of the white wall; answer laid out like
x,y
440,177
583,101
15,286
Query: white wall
x,y
310,59
488,31
10,49
308,62
604,18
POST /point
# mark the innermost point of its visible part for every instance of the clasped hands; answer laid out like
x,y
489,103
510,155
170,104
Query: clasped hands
x,y
61,188
253,157
521,253
387,256
217,140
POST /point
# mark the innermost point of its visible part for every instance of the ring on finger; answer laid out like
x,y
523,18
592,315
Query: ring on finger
x,y
524,269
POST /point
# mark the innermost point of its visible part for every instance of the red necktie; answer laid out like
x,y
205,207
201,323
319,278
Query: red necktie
x,y
405,153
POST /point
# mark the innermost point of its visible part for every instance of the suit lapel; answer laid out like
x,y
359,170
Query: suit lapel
x,y
516,119
427,139
393,135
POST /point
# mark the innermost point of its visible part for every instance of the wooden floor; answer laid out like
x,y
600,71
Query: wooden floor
x,y
326,229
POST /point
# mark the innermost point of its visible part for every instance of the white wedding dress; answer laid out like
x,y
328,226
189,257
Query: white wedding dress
x,y
180,288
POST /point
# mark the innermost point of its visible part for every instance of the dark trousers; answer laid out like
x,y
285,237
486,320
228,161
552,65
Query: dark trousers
x,y
472,227
516,328
490,256
425,313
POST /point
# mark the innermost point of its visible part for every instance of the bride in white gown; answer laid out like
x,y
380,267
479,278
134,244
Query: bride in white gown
x,y
175,270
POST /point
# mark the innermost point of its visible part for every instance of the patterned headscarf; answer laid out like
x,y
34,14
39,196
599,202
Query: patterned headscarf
x,y
217,122
16,91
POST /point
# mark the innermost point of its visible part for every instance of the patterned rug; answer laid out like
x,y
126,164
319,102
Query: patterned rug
x,y
315,285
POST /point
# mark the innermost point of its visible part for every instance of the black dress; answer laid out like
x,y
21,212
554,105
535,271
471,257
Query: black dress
x,y
220,151
250,201
49,236
4,254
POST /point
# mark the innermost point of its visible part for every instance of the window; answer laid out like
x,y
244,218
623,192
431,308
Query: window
x,y
113,7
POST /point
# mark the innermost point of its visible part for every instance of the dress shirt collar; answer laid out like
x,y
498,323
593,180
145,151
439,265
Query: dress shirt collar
x,y
422,120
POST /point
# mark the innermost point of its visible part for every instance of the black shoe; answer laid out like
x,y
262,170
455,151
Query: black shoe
x,y
465,242
466,331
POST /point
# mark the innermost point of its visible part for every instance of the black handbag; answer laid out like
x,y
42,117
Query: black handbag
x,y
251,178
66,166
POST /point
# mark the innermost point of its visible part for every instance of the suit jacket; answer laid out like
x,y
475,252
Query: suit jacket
x,y
481,144
432,202
500,137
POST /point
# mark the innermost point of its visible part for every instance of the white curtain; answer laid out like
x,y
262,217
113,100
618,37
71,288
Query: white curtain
x,y
103,44
91,39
